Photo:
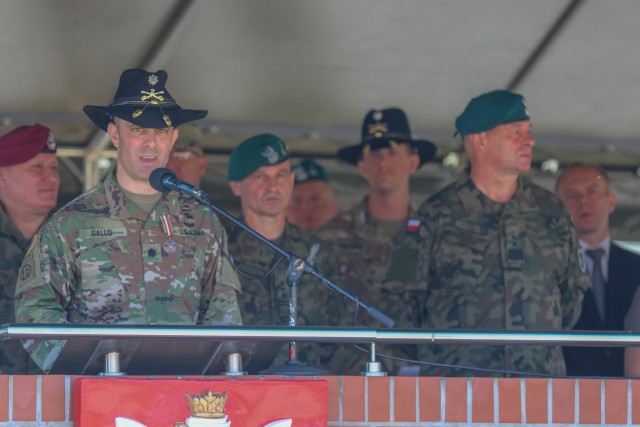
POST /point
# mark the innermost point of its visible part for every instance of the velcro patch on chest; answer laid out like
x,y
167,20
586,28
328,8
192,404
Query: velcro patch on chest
x,y
191,232
103,233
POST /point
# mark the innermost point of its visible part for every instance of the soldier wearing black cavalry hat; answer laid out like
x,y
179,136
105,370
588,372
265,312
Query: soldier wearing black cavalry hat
x,y
123,252
386,156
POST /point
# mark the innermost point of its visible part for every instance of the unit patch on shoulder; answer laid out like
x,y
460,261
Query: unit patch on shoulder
x,y
26,274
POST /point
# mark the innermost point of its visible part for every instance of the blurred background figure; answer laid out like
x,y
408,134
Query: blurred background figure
x,y
29,185
187,158
586,192
312,201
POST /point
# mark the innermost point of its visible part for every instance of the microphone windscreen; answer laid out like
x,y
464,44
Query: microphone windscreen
x,y
155,179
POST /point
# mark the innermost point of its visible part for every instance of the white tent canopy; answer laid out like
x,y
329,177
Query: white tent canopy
x,y
309,70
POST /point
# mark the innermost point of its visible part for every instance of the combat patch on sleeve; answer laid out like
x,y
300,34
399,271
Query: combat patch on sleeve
x,y
27,273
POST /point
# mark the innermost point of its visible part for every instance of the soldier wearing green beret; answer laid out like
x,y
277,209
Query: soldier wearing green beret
x,y
260,174
123,253
493,250
312,201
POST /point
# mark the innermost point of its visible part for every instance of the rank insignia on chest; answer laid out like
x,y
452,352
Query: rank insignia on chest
x,y
413,225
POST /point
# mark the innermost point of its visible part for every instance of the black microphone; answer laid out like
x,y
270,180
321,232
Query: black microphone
x,y
164,180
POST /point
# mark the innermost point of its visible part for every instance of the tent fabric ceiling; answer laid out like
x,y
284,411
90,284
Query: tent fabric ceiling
x,y
309,70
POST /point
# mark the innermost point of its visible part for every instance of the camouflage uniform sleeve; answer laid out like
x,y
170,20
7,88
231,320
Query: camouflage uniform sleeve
x,y
43,291
576,283
223,284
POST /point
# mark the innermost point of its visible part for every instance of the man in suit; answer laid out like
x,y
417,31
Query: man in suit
x,y
586,193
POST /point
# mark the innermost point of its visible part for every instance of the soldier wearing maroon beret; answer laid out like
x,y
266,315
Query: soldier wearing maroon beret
x,y
28,192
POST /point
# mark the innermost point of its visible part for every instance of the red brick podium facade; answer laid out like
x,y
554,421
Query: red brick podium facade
x,y
388,401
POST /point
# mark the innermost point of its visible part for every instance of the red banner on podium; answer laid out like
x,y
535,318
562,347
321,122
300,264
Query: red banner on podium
x,y
126,402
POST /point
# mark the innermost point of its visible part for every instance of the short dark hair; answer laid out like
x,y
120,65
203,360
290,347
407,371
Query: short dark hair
x,y
585,165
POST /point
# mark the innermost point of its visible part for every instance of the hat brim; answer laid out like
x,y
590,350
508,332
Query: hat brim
x,y
152,117
426,150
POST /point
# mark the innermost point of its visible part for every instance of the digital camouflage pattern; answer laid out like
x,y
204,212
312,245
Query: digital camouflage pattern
x,y
102,260
266,302
488,265
364,247
13,357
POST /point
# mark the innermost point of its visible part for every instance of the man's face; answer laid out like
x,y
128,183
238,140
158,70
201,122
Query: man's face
x,y
510,147
266,192
586,195
31,187
140,151
388,169
188,165
312,205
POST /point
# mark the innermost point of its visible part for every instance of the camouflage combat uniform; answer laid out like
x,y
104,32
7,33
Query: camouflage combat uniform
x,y
364,245
13,358
102,260
498,266
266,302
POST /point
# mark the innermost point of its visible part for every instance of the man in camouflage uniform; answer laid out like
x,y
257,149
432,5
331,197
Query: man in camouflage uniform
x,y
312,202
365,235
260,174
29,185
122,253
495,251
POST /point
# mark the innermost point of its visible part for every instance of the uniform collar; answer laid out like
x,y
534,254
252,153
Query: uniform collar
x,y
364,223
605,245
474,200
121,208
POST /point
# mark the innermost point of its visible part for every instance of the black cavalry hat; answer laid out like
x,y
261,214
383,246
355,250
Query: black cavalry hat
x,y
143,100
386,128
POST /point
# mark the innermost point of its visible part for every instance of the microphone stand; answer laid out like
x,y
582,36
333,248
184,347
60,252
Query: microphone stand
x,y
295,269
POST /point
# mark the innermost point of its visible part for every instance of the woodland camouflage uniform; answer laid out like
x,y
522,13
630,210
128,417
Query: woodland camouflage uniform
x,y
266,302
13,358
364,245
511,266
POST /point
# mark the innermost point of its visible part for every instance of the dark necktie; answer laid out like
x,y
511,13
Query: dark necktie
x,y
598,284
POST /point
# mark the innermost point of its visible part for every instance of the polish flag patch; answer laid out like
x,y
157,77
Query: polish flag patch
x,y
413,225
